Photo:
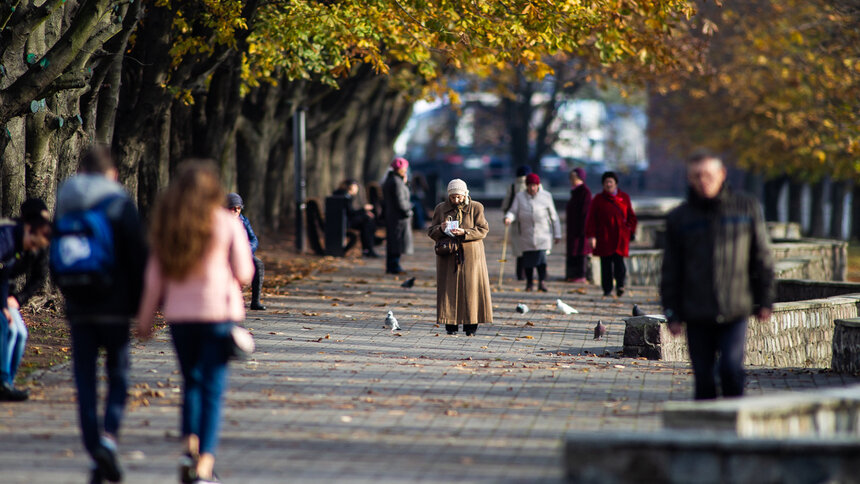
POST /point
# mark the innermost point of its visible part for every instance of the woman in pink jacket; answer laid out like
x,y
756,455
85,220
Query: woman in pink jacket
x,y
200,259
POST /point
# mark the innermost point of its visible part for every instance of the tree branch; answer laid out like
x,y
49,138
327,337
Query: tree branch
x,y
15,99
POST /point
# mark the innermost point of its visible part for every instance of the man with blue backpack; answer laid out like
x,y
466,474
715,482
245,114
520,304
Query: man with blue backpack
x,y
98,256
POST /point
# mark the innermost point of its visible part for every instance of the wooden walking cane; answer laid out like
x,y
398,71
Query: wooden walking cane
x,y
503,260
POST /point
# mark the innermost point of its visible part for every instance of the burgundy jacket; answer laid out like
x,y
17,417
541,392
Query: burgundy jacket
x,y
577,213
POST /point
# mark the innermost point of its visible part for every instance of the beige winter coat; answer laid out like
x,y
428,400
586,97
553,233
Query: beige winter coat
x,y
462,291
537,220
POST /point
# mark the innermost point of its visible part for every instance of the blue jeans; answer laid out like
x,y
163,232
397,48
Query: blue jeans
x,y
202,349
87,338
13,340
705,342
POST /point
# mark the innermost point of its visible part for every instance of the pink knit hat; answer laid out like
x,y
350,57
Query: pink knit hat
x,y
399,163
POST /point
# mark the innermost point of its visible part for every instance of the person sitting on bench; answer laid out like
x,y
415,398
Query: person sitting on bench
x,y
359,216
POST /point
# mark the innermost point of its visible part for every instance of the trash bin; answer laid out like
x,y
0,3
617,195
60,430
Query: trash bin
x,y
335,224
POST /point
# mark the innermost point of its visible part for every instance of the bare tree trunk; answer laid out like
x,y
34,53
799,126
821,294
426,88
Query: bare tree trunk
x,y
817,220
259,129
795,201
772,190
518,114
837,214
41,168
855,212
12,171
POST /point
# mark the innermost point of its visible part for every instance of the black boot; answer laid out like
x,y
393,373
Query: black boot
x,y
257,285
451,328
9,393
470,329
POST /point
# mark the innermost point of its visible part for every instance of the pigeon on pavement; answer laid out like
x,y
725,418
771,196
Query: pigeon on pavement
x,y
599,330
564,307
391,322
637,311
522,308
408,283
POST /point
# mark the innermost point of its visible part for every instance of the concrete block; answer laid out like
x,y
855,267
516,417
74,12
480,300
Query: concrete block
x,y
846,346
821,413
694,457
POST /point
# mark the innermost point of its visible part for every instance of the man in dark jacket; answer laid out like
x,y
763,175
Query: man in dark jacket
x,y
398,214
235,204
717,271
101,319
22,251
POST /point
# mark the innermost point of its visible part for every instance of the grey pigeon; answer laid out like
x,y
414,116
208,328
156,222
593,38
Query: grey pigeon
x,y
566,309
637,311
391,322
599,330
522,308
408,283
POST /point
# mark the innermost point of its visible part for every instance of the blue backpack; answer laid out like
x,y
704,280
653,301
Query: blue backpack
x,y
82,251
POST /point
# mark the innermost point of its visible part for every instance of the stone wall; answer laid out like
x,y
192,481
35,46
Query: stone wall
x,y
784,231
846,346
799,335
823,260
695,457
788,289
643,267
829,258
827,413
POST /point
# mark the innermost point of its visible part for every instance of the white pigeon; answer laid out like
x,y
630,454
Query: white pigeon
x,y
391,321
564,307
522,308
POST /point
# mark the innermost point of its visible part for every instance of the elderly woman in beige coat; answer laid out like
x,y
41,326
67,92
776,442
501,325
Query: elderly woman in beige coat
x,y
540,228
462,283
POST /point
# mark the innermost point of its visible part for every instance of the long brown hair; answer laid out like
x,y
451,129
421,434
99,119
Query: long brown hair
x,y
182,225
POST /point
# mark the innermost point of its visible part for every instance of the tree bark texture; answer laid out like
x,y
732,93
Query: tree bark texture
x,y
838,192
818,223
772,190
795,201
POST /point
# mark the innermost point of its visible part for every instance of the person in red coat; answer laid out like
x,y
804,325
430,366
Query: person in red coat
x,y
609,228
578,248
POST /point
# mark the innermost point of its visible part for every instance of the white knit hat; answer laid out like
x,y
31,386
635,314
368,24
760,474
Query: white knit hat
x,y
457,187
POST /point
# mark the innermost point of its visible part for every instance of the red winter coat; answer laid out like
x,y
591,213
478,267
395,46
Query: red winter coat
x,y
611,220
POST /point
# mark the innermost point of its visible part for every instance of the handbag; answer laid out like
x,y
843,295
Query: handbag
x,y
241,343
446,246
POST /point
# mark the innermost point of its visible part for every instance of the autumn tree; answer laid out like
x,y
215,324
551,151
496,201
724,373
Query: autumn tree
x,y
168,79
779,94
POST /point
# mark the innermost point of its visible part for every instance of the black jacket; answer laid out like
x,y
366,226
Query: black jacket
x,y
717,264
397,210
16,262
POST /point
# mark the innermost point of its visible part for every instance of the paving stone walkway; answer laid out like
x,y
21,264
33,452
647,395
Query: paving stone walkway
x,y
332,395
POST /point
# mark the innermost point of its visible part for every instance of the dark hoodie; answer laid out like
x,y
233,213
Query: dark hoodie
x,y
717,264
120,304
